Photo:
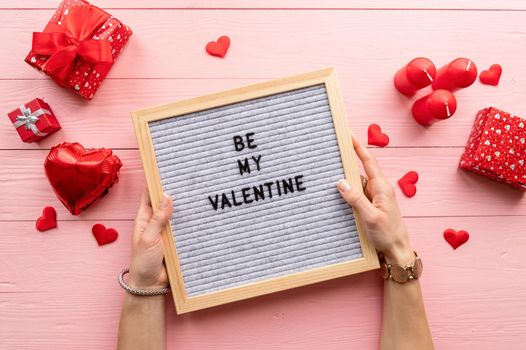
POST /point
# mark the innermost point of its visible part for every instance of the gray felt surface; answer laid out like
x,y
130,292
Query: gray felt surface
x,y
267,238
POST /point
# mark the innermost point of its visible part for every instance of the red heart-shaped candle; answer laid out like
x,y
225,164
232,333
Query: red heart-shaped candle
x,y
104,235
48,220
407,183
78,176
376,137
220,47
492,75
456,238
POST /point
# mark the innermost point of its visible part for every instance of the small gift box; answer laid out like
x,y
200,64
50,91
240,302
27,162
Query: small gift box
x,y
497,148
34,120
78,46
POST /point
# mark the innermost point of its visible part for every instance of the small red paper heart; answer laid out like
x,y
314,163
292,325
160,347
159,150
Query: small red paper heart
x,y
492,75
220,47
104,235
407,183
376,136
455,238
48,220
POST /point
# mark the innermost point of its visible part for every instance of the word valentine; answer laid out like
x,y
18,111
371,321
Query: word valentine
x,y
255,193
247,195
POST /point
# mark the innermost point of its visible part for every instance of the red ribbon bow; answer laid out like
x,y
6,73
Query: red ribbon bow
x,y
63,43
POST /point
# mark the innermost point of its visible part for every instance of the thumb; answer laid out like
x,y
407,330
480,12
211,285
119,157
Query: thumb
x,y
357,199
159,219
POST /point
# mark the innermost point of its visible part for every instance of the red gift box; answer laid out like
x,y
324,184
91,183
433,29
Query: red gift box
x,y
497,147
78,46
34,120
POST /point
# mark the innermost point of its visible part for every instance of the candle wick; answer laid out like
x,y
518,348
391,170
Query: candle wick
x,y
428,75
447,110
468,65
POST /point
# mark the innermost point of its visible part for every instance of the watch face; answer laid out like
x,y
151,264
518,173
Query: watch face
x,y
417,268
399,274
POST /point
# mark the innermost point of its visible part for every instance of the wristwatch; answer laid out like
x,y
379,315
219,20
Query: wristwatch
x,y
399,273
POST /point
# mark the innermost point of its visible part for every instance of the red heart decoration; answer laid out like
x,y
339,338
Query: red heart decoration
x,y
48,220
220,47
491,76
376,136
78,176
456,238
407,183
104,235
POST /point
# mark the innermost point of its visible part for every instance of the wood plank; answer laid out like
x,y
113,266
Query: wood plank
x,y
106,122
312,42
277,4
41,296
71,244
443,189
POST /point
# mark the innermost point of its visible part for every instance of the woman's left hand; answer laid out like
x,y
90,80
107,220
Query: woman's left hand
x,y
147,269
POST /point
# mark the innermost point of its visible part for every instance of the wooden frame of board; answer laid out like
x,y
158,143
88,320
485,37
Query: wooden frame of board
x,y
142,117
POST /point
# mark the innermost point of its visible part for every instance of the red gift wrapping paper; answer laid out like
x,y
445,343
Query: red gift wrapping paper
x,y
34,120
497,147
78,46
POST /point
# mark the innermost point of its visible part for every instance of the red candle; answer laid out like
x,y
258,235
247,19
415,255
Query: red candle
x,y
414,76
438,105
458,74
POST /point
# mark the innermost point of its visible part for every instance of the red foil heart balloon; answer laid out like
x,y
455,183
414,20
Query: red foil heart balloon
x,y
78,176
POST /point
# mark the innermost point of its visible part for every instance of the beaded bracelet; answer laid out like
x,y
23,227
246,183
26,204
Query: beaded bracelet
x,y
137,291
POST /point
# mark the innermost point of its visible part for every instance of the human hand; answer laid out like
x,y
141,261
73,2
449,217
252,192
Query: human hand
x,y
147,269
379,210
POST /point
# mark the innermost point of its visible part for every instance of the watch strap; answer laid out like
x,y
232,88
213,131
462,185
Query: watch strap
x,y
401,273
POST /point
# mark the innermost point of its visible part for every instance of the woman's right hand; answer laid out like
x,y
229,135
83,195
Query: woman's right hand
x,y
379,210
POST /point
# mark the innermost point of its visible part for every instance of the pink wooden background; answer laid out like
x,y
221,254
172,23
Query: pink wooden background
x,y
58,289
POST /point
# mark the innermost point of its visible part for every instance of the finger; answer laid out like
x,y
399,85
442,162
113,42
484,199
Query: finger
x,y
370,164
357,199
145,206
368,192
144,212
364,181
366,187
159,220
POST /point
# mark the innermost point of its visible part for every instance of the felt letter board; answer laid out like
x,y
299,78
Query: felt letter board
x,y
252,173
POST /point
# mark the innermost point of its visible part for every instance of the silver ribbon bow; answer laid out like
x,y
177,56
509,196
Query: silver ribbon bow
x,y
29,119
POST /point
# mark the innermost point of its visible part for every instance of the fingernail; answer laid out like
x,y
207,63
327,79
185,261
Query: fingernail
x,y
164,201
343,185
